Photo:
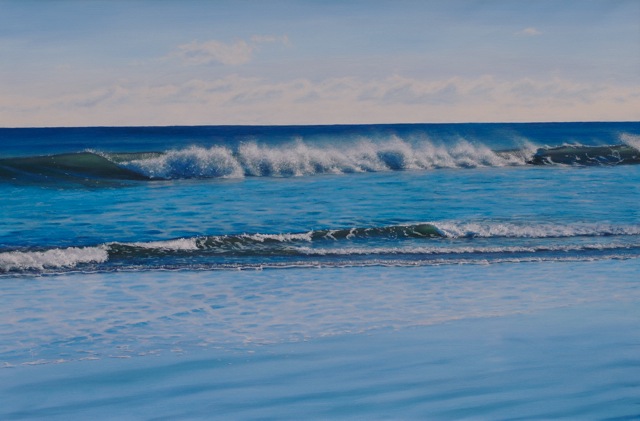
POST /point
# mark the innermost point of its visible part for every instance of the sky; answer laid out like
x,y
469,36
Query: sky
x,y
286,62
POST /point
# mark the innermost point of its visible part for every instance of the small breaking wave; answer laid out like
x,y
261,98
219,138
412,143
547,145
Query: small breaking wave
x,y
412,243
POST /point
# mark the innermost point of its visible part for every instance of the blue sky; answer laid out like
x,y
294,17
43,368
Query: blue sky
x,y
163,62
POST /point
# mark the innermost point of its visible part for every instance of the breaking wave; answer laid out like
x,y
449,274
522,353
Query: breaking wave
x,y
299,159
251,159
257,160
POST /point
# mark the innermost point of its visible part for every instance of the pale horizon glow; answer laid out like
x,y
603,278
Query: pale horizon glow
x,y
144,63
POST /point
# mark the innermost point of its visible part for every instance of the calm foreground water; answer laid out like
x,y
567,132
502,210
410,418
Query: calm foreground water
x,y
407,271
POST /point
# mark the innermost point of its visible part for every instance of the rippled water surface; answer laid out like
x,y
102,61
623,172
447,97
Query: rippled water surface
x,y
436,342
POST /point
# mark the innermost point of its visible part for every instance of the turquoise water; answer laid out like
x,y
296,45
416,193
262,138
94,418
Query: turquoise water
x,y
149,247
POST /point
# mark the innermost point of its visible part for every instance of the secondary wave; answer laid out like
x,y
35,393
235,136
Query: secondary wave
x,y
423,243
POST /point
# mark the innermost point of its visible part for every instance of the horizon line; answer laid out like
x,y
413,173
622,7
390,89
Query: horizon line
x,y
316,125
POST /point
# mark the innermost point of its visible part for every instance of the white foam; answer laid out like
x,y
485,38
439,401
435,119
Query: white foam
x,y
279,237
347,251
509,230
177,244
298,159
51,259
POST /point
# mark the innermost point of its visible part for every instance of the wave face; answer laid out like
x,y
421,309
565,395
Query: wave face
x,y
65,167
589,156
397,245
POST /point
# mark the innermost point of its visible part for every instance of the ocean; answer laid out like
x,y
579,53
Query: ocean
x,y
410,271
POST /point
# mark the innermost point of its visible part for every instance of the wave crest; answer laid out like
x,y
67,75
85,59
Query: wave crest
x,y
299,158
193,162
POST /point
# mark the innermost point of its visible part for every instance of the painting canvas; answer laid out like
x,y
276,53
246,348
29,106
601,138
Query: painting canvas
x,y
298,209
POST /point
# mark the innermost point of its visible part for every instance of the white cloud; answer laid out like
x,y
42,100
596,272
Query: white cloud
x,y
233,54
529,32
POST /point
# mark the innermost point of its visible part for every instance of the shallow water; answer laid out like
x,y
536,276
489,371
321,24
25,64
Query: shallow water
x,y
399,343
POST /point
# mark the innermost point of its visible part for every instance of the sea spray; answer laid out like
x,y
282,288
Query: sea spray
x,y
192,162
299,159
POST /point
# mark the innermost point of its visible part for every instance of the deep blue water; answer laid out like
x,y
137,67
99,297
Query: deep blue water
x,y
137,242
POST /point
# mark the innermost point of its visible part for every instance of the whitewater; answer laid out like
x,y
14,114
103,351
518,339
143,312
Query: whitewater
x,y
425,271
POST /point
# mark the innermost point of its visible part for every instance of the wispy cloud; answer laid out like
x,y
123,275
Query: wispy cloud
x,y
529,32
215,52
242,100
230,54
266,39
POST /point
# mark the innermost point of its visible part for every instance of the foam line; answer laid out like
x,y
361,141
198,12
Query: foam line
x,y
51,259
